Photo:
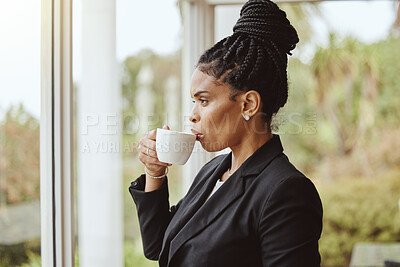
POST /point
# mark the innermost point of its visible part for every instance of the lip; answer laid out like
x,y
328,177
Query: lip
x,y
199,136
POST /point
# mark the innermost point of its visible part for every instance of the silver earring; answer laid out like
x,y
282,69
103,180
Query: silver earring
x,y
246,117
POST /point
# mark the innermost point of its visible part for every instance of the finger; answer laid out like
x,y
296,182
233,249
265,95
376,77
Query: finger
x,y
152,134
148,147
148,143
147,160
147,151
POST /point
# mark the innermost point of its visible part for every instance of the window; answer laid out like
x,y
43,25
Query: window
x,y
19,132
98,123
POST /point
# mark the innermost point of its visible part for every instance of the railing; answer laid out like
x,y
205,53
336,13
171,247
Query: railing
x,y
374,254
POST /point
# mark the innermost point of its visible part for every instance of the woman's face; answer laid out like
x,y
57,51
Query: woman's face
x,y
217,120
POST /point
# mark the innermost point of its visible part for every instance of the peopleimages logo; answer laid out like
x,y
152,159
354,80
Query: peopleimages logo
x,y
131,123
108,147
99,132
128,123
177,147
295,123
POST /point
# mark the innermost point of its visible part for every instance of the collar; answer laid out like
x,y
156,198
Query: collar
x,y
260,158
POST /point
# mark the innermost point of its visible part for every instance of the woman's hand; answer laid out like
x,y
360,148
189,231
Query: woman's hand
x,y
148,155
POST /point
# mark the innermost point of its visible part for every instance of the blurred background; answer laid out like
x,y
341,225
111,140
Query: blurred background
x,y
340,125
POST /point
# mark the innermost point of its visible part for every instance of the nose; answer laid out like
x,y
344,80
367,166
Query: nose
x,y
194,117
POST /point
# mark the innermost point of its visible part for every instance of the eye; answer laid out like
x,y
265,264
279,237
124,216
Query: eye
x,y
203,101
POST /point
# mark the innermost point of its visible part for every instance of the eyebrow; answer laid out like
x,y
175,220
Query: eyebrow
x,y
200,92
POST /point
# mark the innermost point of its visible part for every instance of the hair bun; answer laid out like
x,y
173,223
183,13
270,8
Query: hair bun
x,y
264,21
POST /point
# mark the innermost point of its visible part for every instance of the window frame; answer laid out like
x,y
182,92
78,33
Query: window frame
x,y
56,165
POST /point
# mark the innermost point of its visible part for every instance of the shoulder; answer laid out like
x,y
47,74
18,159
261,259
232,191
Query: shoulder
x,y
288,193
296,189
292,190
296,201
280,180
279,171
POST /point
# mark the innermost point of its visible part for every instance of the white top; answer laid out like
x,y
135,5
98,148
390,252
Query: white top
x,y
218,184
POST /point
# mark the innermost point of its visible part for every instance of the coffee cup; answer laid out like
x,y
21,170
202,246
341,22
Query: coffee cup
x,y
174,147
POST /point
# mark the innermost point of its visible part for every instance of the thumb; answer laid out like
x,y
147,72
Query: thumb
x,y
166,127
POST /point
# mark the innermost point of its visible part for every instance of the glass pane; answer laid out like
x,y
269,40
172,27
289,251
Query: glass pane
x,y
149,83
19,132
151,63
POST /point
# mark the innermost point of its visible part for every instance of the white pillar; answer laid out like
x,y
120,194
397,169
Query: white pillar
x,y
99,142
171,103
198,24
144,99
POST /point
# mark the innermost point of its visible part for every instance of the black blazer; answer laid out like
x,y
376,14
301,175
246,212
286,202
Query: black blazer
x,y
266,214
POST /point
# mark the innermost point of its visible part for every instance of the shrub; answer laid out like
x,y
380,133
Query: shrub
x,y
15,255
358,210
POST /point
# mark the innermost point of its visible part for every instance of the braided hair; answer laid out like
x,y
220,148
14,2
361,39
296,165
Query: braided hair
x,y
254,57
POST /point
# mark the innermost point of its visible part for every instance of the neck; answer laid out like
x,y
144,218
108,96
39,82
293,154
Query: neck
x,y
242,151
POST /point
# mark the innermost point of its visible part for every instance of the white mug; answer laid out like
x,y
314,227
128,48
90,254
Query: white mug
x,y
174,147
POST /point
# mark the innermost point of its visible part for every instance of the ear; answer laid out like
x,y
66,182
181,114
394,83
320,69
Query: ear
x,y
251,103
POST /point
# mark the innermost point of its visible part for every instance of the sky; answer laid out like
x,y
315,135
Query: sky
x,y
154,24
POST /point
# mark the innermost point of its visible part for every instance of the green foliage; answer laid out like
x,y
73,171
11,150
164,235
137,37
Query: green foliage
x,y
358,210
347,76
134,255
388,57
297,123
340,102
14,255
19,156
34,260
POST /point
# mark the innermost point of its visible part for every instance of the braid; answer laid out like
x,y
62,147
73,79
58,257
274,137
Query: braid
x,y
232,48
243,47
254,57
257,66
247,63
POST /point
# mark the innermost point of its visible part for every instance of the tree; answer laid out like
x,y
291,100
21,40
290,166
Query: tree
x,y
347,78
19,157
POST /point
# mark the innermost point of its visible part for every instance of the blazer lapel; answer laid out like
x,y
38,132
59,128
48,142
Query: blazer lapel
x,y
231,190
191,204
195,199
